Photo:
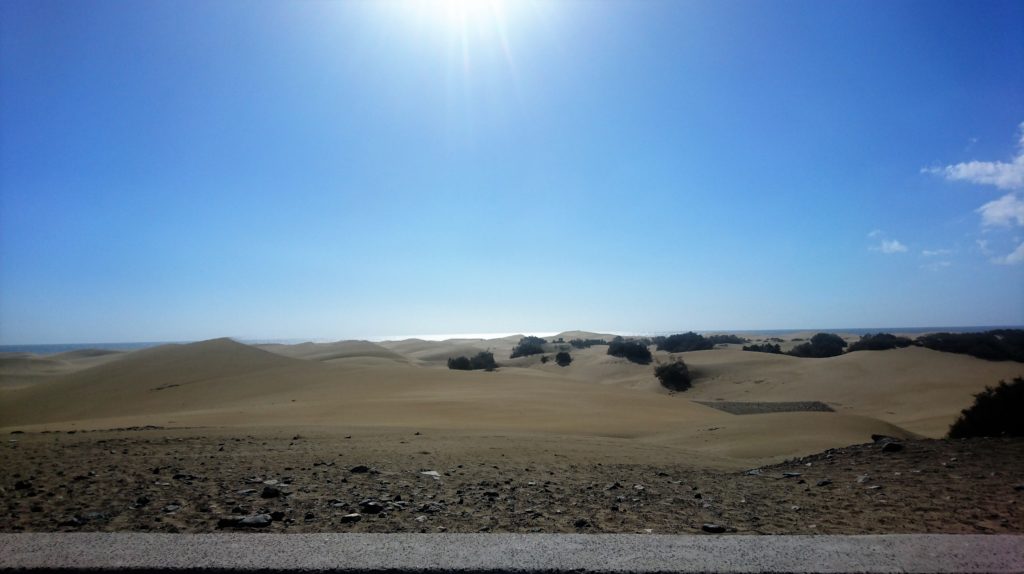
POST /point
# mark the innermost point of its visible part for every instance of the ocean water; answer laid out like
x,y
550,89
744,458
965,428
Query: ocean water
x,y
131,346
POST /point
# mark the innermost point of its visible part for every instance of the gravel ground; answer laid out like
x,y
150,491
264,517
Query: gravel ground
x,y
205,480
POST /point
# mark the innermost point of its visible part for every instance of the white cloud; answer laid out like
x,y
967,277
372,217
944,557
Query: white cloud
x,y
936,265
936,252
890,246
1002,212
1014,258
875,233
1003,175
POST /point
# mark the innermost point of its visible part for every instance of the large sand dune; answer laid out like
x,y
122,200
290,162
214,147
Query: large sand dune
x,y
405,384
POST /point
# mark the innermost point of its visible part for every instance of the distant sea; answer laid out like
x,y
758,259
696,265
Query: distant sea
x,y
52,349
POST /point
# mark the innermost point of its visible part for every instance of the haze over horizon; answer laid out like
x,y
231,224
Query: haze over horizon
x,y
182,171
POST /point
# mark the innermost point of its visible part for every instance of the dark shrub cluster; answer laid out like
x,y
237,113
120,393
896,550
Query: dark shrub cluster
x,y
586,343
484,360
683,342
995,412
726,339
820,346
879,342
995,345
674,376
635,352
563,359
765,348
528,346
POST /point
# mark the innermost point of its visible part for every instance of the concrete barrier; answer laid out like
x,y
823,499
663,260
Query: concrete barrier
x,y
135,553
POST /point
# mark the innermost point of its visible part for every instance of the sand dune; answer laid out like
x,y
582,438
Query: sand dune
x,y
334,351
405,384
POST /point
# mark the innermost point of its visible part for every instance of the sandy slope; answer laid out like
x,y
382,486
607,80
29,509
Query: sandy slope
x,y
356,384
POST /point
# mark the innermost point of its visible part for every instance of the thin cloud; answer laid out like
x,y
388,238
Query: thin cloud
x,y
1003,212
936,252
1014,258
936,265
875,233
1003,175
890,246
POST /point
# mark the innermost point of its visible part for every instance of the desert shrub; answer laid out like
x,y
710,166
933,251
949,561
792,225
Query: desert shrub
x,y
631,350
995,412
586,343
820,346
545,359
778,340
484,360
726,339
995,345
563,359
674,376
765,348
528,346
685,342
879,342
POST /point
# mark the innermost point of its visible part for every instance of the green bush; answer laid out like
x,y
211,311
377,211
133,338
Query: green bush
x,y
995,412
484,360
673,376
726,339
995,345
528,346
820,346
586,343
563,359
684,342
630,350
765,348
879,342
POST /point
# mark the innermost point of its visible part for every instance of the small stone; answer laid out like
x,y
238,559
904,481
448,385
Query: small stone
x,y
863,478
790,474
613,486
581,523
309,516
1019,488
359,469
892,447
171,508
256,521
421,518
371,506
22,485
713,528
270,492
825,482
277,515
351,518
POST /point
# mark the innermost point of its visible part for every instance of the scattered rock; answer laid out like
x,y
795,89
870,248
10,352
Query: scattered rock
x,y
351,518
613,486
824,482
22,485
252,521
277,515
581,523
270,492
863,478
171,508
892,447
713,528
790,474
371,506
359,469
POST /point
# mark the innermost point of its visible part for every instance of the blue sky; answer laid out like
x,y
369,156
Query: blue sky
x,y
185,170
